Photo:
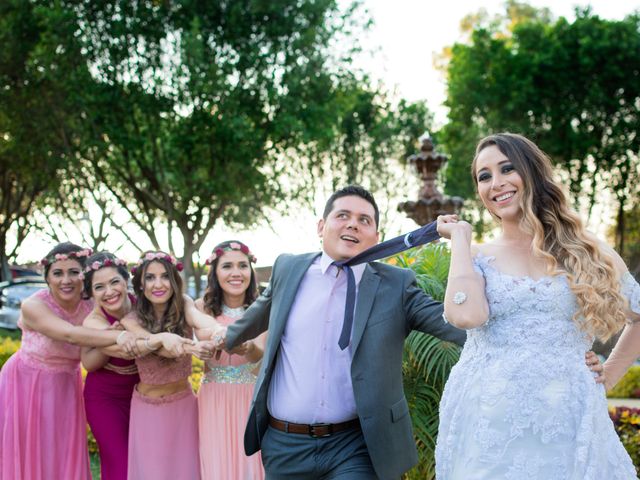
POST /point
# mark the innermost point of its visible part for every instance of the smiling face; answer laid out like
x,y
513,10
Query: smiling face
x,y
65,282
109,289
233,271
349,228
500,186
156,285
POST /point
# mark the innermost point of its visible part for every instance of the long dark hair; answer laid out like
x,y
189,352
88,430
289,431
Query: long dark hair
x,y
213,295
173,319
106,260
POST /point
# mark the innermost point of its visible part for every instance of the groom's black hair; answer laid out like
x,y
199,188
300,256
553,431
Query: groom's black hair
x,y
352,190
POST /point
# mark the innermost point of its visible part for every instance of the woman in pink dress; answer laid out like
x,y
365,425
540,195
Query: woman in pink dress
x,y
163,431
112,372
42,420
227,386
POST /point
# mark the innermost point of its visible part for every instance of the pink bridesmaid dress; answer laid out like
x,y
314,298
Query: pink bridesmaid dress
x,y
43,431
107,398
223,403
163,431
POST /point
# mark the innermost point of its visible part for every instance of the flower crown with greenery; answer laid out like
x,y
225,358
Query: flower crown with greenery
x,y
241,247
150,256
59,257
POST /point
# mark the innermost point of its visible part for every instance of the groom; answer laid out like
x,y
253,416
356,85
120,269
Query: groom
x,y
320,411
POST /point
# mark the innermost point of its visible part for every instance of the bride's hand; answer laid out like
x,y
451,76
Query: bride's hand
x,y
448,225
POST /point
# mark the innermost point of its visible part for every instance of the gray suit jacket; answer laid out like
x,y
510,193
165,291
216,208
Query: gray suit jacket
x,y
388,307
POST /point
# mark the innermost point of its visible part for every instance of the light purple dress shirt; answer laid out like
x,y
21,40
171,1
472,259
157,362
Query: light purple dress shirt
x,y
311,382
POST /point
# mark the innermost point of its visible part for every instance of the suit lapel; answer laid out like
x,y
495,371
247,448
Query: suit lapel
x,y
366,295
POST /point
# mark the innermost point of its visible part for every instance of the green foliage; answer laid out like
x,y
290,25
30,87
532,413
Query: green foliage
x,y
573,88
8,347
628,386
427,360
627,424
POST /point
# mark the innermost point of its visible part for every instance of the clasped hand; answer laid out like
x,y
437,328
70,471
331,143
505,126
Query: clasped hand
x,y
448,225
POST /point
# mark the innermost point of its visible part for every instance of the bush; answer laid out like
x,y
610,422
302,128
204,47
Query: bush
x,y
197,366
427,360
7,348
628,386
627,424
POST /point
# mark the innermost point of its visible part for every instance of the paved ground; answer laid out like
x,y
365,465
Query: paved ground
x,y
624,402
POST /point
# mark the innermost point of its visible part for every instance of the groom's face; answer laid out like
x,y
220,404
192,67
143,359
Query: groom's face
x,y
350,228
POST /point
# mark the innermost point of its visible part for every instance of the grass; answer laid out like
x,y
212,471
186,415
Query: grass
x,y
94,463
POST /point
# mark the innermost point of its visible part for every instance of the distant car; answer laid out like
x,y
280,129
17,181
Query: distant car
x,y
12,293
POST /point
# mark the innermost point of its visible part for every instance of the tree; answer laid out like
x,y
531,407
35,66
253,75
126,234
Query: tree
x,y
36,137
573,88
192,108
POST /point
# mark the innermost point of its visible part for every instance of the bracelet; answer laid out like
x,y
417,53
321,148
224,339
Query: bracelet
x,y
122,334
147,345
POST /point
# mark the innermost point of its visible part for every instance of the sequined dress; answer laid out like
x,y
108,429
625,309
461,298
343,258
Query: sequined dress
x,y
163,431
521,403
224,400
42,422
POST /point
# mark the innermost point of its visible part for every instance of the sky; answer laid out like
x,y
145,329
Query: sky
x,y
405,36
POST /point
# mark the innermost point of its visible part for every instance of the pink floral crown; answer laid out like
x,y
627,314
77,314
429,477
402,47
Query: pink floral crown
x,y
218,252
149,256
107,262
59,257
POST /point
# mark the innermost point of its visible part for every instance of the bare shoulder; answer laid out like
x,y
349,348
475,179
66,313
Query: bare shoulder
x,y
96,320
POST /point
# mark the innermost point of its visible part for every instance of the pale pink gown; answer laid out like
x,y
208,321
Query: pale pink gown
x,y
43,431
224,400
163,432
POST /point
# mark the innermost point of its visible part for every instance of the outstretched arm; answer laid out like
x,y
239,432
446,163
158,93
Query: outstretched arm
x,y
37,316
254,321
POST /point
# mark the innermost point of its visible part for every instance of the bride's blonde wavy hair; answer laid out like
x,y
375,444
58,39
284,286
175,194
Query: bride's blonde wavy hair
x,y
559,237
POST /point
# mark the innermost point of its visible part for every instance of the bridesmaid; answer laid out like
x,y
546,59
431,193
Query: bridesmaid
x,y
42,420
163,432
112,372
227,386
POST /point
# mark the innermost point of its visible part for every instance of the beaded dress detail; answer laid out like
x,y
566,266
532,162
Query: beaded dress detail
x,y
521,403
230,368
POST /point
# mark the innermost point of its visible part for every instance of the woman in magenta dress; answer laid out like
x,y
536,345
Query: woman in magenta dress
x,y
227,386
163,431
42,420
112,372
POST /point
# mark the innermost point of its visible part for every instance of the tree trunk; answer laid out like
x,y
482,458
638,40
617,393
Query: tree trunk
x,y
5,271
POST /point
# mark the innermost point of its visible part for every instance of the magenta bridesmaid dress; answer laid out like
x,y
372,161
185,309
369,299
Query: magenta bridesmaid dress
x,y
107,400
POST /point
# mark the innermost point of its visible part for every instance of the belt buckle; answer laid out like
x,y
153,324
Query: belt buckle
x,y
314,434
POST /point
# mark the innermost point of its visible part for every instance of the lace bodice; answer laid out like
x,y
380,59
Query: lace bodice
x,y
521,403
46,353
156,370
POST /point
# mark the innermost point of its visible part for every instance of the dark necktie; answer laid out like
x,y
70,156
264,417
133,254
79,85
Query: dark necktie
x,y
422,235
